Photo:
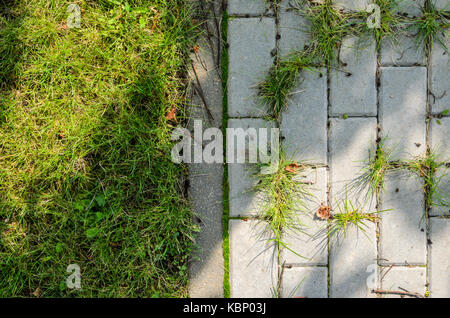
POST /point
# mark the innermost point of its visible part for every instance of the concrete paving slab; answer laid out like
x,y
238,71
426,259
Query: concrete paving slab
x,y
352,5
351,258
440,77
412,279
402,99
312,251
404,52
242,7
440,132
351,140
304,123
293,30
310,282
353,92
253,263
403,229
243,200
251,44
440,258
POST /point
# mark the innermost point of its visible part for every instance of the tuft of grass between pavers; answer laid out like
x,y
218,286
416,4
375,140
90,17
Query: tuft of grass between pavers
x,y
86,176
370,182
391,22
432,26
425,167
284,197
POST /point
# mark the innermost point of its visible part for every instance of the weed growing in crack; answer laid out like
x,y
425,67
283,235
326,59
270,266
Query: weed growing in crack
x,y
328,29
372,176
426,167
431,26
276,88
391,23
284,198
348,215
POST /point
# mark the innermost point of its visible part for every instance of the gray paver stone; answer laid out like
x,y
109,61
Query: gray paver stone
x,y
440,142
311,250
351,255
251,41
403,109
293,29
244,201
403,231
410,279
442,4
440,77
304,123
253,7
354,5
350,142
350,261
253,265
308,282
354,92
405,52
440,257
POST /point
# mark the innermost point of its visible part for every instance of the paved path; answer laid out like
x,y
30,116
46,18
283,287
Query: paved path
x,y
333,121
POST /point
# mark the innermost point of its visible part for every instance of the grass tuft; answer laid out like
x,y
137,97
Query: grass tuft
x,y
348,216
431,26
329,27
426,167
284,197
391,23
372,176
276,88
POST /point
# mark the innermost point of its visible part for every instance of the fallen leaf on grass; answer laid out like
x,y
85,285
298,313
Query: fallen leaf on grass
x,y
37,293
172,114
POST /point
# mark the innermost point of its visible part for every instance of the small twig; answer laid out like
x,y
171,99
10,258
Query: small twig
x,y
205,16
200,91
389,269
90,203
397,292
219,37
280,277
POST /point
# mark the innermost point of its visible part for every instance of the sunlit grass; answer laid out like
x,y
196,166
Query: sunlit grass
x,y
85,170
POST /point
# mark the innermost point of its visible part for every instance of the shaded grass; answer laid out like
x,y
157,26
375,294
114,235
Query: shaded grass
x,y
85,172
371,179
328,29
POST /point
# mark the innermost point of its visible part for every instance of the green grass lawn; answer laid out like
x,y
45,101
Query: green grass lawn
x,y
85,170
